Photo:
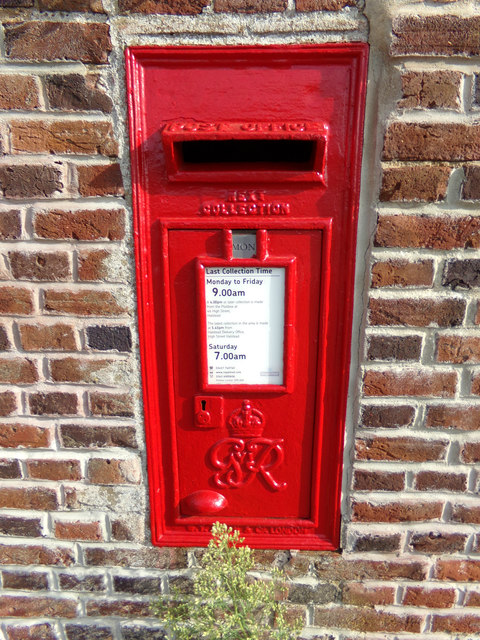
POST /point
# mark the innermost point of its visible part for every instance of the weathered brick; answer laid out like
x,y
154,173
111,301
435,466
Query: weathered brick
x,y
402,273
440,481
441,312
26,181
323,5
463,274
429,232
18,92
476,92
364,480
381,543
74,92
436,542
469,514
97,224
84,302
17,301
362,595
249,6
374,416
298,593
111,471
86,436
82,370
54,469
365,620
397,511
394,347
9,469
457,569
140,585
109,338
15,4
54,337
464,418
17,526
431,89
35,554
93,265
100,180
175,7
8,403
92,6
436,35
72,582
4,339
88,632
30,607
40,265
46,41
475,388
145,558
38,498
10,225
24,435
118,607
110,404
438,141
405,448
78,530
410,383
17,371
55,403
63,136
471,186
25,581
43,631
458,349
415,183
457,623
432,598
470,452
136,632
335,567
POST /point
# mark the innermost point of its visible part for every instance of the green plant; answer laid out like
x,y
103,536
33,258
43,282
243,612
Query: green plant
x,y
227,602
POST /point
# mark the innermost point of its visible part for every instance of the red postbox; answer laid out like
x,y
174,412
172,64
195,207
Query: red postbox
x,y
246,167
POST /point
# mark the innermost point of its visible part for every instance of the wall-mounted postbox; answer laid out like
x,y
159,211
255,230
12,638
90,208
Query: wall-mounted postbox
x,y
246,166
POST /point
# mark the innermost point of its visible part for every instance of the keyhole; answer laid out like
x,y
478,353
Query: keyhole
x,y
204,404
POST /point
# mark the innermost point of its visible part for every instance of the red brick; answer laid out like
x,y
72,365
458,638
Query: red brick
x,y
144,558
36,554
84,302
458,570
86,436
466,513
55,337
10,225
9,469
462,417
434,542
32,632
365,620
472,599
17,301
78,530
17,371
18,92
323,5
24,435
410,383
439,141
75,92
471,186
26,581
380,543
100,180
92,6
440,481
378,481
46,41
81,370
27,181
97,224
394,347
8,403
441,312
431,89
111,471
54,469
436,34
40,265
14,4
402,273
118,607
397,511
63,136
363,595
405,448
335,567
457,624
175,7
470,452
374,416
17,526
87,582
30,607
415,183
431,598
458,349
55,403
249,6
109,404
30,498
93,265
429,232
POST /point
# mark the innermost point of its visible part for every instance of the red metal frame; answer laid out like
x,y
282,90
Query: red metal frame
x,y
169,199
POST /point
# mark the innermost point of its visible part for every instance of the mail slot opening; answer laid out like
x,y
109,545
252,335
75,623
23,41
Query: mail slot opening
x,y
286,155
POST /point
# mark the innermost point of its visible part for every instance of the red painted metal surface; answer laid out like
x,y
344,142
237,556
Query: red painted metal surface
x,y
245,356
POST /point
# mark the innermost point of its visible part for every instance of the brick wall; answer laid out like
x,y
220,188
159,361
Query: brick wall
x,y
76,561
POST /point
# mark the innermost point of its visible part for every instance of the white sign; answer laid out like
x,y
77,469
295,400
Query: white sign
x,y
245,324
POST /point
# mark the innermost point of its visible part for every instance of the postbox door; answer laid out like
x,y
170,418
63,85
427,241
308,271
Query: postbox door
x,y
254,457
